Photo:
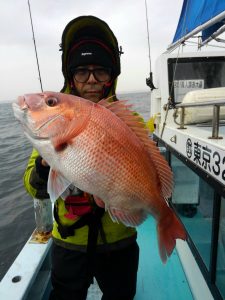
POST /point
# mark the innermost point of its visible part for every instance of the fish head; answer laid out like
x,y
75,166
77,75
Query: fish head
x,y
45,115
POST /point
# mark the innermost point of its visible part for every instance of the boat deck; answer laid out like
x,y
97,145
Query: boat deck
x,y
156,281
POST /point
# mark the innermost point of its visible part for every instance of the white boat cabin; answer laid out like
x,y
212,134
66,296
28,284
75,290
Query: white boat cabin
x,y
188,110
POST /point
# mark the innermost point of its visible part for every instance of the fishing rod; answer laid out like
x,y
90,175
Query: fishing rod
x,y
149,80
42,208
35,48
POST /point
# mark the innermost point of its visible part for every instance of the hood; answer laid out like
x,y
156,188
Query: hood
x,y
88,27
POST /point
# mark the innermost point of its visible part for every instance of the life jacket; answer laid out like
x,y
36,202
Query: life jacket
x,y
78,205
84,211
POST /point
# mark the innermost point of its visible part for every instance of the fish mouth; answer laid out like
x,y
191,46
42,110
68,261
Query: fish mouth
x,y
21,114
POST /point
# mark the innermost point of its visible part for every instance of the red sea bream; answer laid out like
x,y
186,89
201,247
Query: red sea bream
x,y
105,150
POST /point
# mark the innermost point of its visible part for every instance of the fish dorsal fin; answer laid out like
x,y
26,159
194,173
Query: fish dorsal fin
x,y
135,122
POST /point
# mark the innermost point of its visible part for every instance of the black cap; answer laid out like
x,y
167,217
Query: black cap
x,y
90,52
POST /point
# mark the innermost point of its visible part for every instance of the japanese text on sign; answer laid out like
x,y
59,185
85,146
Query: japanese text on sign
x,y
182,87
202,155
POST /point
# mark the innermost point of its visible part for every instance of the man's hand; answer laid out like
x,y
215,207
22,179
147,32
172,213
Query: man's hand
x,y
99,202
44,163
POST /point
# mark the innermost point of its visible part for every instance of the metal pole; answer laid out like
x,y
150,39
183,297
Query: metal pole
x,y
215,121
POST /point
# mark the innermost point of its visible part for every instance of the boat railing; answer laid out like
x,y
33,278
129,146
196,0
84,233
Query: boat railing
x,y
216,114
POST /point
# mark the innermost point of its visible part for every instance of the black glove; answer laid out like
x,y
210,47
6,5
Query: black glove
x,y
42,171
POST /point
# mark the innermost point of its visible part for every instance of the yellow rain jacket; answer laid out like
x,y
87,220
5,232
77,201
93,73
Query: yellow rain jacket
x,y
116,235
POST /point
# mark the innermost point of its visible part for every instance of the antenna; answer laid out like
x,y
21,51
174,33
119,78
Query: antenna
x,y
149,80
35,48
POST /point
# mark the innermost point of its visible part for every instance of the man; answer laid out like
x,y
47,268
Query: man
x,y
86,243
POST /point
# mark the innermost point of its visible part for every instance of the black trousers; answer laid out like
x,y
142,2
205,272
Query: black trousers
x,y
115,272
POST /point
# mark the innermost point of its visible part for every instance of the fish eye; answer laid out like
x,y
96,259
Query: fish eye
x,y
51,101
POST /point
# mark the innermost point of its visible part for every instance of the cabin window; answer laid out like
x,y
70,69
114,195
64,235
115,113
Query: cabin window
x,y
193,200
195,73
220,268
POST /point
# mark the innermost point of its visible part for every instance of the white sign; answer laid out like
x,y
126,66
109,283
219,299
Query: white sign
x,y
182,87
205,156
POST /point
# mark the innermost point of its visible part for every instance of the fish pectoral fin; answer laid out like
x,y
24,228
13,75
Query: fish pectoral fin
x,y
57,184
127,217
69,131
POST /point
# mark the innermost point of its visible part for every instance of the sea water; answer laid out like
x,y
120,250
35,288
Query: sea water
x,y
17,220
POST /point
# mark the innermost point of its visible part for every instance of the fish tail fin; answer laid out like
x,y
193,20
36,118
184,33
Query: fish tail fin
x,y
169,229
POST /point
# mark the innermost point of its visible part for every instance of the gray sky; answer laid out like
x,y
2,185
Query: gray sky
x,y
126,18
